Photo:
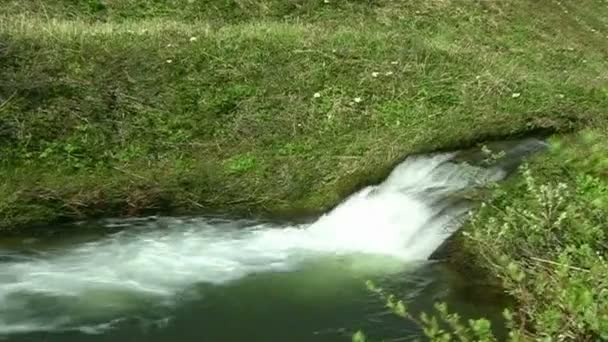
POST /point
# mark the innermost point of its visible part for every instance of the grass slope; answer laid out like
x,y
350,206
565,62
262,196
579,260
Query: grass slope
x,y
122,107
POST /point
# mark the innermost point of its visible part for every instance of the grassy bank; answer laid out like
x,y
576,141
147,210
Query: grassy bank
x,y
121,107
543,235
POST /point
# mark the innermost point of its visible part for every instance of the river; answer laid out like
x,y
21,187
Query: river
x,y
219,279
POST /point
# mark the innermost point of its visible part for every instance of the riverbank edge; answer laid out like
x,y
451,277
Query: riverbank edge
x,y
162,204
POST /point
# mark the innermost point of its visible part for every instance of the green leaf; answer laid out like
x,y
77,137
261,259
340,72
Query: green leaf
x,y
359,336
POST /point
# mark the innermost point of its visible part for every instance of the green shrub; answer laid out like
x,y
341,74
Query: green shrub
x,y
544,235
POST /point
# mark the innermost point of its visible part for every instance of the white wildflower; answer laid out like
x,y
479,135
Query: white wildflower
x,y
317,95
358,99
169,61
375,74
395,62
561,96
516,95
389,73
193,39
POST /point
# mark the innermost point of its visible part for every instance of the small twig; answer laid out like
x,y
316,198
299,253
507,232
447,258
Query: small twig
x,y
5,103
46,14
219,60
193,201
559,264
132,174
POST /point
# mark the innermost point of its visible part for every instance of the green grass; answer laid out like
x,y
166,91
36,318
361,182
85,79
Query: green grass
x,y
184,106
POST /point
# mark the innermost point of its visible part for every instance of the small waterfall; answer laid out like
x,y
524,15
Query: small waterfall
x,y
404,219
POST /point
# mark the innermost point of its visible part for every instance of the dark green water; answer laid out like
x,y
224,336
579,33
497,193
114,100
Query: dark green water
x,y
322,298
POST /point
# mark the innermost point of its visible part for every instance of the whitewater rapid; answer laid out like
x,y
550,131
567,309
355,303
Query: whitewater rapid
x,y
405,218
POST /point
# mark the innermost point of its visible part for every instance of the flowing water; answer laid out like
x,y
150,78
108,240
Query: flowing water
x,y
215,279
